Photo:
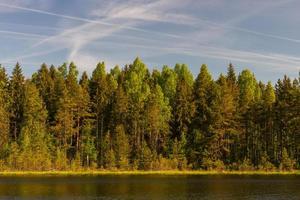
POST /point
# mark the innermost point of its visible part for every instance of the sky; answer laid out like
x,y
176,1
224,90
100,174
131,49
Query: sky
x,y
262,36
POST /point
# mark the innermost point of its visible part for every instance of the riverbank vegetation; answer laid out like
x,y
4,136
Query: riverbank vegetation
x,y
134,119
147,172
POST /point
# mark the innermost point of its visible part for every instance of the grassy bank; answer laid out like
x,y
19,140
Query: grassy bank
x,y
169,172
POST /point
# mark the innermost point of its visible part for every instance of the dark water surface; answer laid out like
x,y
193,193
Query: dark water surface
x,y
152,187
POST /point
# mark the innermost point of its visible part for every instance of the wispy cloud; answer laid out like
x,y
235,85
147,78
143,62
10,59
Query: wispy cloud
x,y
23,34
35,54
10,5
86,20
157,11
193,35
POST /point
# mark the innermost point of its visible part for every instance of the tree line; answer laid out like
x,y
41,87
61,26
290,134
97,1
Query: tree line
x,y
131,118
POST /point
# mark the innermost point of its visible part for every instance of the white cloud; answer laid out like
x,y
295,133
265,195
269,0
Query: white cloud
x,y
157,11
38,4
119,17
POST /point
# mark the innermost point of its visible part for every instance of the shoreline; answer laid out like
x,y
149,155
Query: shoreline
x,y
162,172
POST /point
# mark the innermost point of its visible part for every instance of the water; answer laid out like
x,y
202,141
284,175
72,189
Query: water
x,y
151,187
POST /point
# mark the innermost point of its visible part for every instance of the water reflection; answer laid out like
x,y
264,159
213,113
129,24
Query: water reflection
x,y
151,187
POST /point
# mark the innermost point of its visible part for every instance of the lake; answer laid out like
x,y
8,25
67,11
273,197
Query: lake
x,y
109,187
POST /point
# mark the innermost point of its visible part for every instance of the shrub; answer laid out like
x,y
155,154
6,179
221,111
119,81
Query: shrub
x,y
210,164
145,158
61,161
265,164
246,165
286,164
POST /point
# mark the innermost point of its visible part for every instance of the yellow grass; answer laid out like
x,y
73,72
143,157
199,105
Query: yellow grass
x,y
167,172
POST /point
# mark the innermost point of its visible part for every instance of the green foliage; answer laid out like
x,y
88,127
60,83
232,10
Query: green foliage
x,y
178,154
146,157
246,165
209,164
61,161
122,148
131,118
34,141
247,85
206,119
16,91
265,164
4,111
109,160
76,163
183,109
13,158
168,82
158,114
286,163
88,147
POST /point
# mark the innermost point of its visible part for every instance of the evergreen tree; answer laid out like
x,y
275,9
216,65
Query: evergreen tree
x,y
230,92
16,90
248,86
99,93
34,141
145,157
168,82
122,149
205,140
131,118
158,114
45,84
138,90
267,122
109,161
88,147
227,124
4,113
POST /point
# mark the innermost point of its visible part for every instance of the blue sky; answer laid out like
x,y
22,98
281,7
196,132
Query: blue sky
x,y
263,36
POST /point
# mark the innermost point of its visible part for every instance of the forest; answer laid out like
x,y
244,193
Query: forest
x,y
131,118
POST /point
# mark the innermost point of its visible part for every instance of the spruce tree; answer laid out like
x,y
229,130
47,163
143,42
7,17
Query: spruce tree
x,y
4,113
204,139
122,148
35,142
16,90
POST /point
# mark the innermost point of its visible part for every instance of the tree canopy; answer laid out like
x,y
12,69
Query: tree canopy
x,y
132,118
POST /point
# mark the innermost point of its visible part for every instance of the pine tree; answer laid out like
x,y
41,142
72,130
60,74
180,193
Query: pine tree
x,y
138,90
65,127
120,107
99,93
231,90
145,157
16,90
108,152
183,107
122,148
116,72
206,95
248,86
179,153
88,147
267,122
284,114
227,124
35,143
168,82
4,113
45,84
158,113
